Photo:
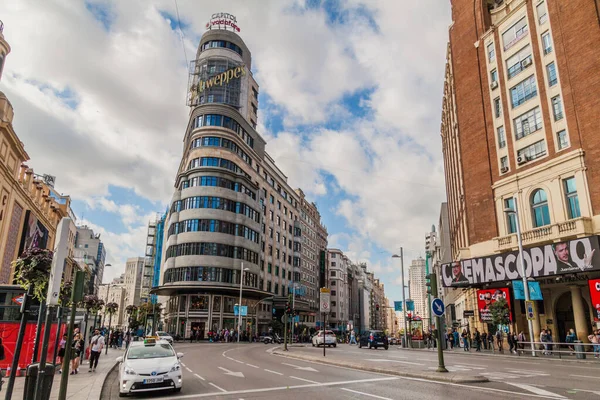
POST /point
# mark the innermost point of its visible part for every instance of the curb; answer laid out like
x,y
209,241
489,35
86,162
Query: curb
x,y
440,377
96,392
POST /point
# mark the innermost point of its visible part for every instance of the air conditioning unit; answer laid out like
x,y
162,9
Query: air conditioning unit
x,y
526,62
504,170
522,160
494,85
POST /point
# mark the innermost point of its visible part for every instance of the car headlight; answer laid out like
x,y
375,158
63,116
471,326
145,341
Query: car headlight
x,y
129,371
175,368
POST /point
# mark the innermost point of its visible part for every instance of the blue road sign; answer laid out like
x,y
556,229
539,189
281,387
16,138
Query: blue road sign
x,y
244,310
438,308
397,306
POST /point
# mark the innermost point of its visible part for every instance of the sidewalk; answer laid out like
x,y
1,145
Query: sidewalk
x,y
82,386
372,365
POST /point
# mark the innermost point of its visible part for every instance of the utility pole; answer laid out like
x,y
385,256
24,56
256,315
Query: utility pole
x,y
431,284
401,257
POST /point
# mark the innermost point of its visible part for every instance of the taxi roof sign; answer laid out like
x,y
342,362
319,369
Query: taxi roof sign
x,y
149,341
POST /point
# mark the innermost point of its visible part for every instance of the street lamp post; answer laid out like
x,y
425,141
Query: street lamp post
x,y
401,257
242,269
522,261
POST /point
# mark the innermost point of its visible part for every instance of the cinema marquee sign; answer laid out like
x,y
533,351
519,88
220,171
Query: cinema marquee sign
x,y
574,256
223,19
221,79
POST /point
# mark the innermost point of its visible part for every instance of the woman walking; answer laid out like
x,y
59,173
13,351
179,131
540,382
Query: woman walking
x,y
77,347
61,351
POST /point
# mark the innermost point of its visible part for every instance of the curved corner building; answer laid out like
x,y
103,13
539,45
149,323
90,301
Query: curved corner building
x,y
212,227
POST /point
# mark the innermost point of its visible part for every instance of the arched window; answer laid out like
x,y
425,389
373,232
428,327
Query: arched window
x,y
539,208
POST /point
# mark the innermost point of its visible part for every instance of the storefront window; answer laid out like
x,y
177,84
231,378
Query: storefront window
x,y
199,303
229,302
182,300
217,304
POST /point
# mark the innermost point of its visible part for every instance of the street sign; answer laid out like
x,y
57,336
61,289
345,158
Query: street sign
x,y
438,308
410,305
324,301
468,313
529,307
244,310
397,306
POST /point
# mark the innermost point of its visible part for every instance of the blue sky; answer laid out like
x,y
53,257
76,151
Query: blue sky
x,y
350,95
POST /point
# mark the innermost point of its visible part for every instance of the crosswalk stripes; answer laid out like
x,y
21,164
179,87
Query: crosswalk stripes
x,y
501,376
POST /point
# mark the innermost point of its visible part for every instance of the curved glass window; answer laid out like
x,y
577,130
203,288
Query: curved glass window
x,y
539,208
212,141
210,274
213,225
218,182
217,203
223,44
225,122
217,162
212,249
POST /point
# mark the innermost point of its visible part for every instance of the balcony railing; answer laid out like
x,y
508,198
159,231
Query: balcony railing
x,y
559,231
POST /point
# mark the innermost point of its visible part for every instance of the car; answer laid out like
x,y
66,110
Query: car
x,y
392,340
373,339
328,339
149,366
164,336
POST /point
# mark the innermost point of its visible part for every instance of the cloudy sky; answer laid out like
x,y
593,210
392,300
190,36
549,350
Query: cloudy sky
x,y
350,105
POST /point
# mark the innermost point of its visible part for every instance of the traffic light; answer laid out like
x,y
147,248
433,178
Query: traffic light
x,y
431,284
288,309
377,306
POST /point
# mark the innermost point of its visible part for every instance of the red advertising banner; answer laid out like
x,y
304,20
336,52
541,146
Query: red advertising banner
x,y
9,332
595,294
487,297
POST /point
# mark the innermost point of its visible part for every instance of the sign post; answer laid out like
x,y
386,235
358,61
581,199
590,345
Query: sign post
x,y
324,307
529,307
438,308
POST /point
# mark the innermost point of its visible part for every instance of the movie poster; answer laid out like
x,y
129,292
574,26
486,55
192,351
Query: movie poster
x,y
487,297
35,233
595,294
573,256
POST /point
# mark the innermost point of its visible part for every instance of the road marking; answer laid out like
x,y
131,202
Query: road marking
x,y
395,361
253,366
536,390
273,372
302,379
198,376
238,361
585,376
301,368
220,388
366,394
182,364
529,373
189,370
228,372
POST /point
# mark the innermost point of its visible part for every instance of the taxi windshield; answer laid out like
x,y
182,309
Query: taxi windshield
x,y
156,351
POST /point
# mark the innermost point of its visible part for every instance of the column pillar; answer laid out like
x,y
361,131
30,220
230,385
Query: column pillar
x,y
581,320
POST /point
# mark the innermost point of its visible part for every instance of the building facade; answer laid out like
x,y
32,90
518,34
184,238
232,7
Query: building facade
x,y
520,141
338,283
233,220
417,288
134,276
90,249
113,293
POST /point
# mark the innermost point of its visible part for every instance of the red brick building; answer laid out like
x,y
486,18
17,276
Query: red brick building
x,y
520,129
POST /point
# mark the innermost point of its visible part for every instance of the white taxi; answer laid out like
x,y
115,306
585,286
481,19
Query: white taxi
x,y
149,366
327,339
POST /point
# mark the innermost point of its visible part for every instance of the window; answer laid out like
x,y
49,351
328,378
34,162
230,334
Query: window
x,y
332,283
557,108
514,33
272,199
497,107
494,76
501,137
518,62
277,270
523,91
333,263
491,52
333,255
533,151
271,216
333,273
333,293
563,141
269,268
552,78
511,218
528,123
504,163
542,13
547,43
268,286
276,291
539,208
572,198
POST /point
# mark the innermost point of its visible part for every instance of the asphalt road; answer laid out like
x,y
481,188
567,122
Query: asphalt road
x,y
250,371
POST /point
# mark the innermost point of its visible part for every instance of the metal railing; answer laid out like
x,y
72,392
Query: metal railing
x,y
578,349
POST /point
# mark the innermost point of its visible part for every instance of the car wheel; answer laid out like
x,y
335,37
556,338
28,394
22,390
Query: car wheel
x,y
122,394
177,390
313,344
335,345
375,347
360,345
386,347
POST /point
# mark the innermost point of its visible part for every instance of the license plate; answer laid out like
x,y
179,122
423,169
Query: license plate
x,y
158,379
379,342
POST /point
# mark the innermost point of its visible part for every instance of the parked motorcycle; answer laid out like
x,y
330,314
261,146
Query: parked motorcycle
x,y
272,339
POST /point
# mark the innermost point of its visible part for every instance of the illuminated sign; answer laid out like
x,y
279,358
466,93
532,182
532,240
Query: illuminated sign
x,y
223,20
221,79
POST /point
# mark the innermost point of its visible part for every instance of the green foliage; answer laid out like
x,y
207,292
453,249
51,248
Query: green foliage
x,y
65,293
33,268
499,312
111,308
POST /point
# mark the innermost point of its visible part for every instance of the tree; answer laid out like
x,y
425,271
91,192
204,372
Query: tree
x,y
33,268
111,308
500,312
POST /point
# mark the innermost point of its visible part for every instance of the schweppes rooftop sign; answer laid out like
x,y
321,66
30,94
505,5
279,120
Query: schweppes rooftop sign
x,y
221,79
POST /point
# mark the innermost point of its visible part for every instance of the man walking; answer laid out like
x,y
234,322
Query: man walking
x,y
97,344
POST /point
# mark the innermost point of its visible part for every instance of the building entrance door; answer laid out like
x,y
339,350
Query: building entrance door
x,y
565,319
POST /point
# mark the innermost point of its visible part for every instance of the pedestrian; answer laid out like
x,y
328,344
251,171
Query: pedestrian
x,y
451,339
484,340
352,337
465,340
127,339
77,347
571,337
550,341
499,340
595,339
456,338
511,342
97,344
515,341
477,340
521,340
61,351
